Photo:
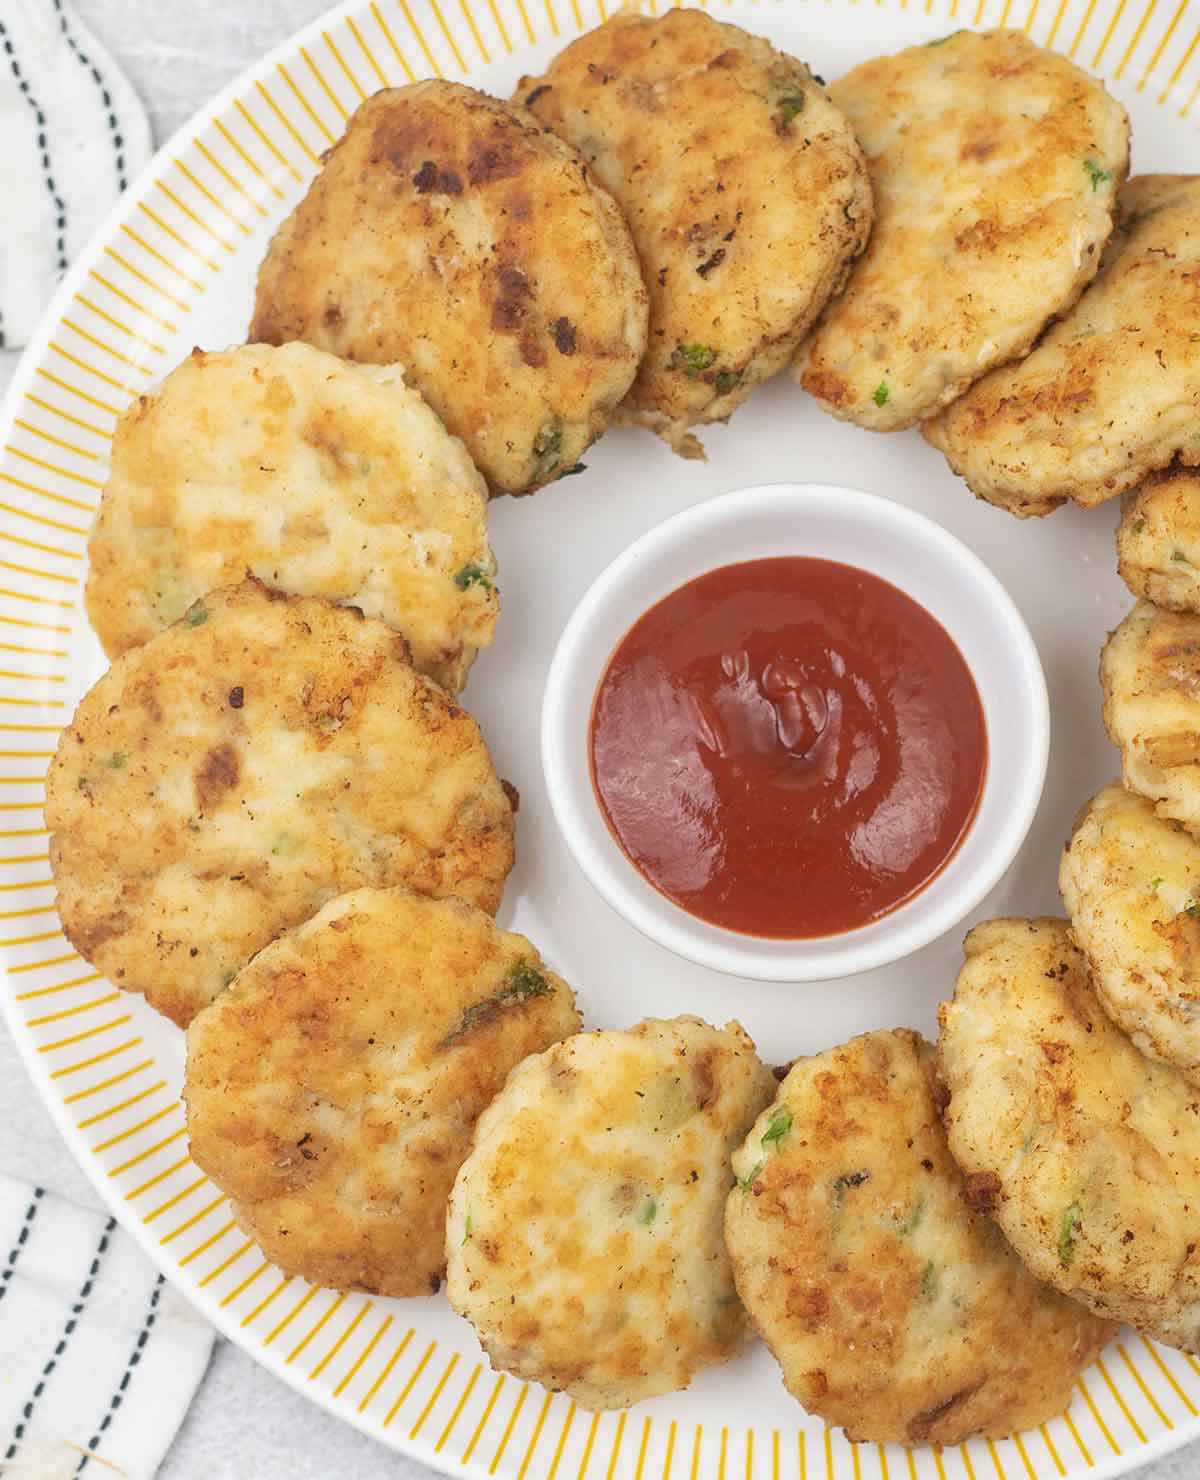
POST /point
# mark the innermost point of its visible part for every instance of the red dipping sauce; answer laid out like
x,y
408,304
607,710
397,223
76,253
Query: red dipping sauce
x,y
788,747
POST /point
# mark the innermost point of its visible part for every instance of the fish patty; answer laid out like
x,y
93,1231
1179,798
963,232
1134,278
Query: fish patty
x,y
320,477
224,781
1085,1152
1131,883
1109,394
584,1238
895,1309
332,1089
451,233
744,187
1150,676
995,165
1158,540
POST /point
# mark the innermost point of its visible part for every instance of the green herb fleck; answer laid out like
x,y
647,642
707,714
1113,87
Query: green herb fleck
x,y
726,380
197,615
472,575
842,1183
790,106
1154,883
547,450
1193,909
1177,554
1067,1230
912,1222
692,359
647,1213
1096,174
881,394
778,1126
1138,525
522,983
747,1182
118,760
466,1230
85,785
929,1281
570,472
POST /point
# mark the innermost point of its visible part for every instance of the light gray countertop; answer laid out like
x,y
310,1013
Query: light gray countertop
x,y
244,1422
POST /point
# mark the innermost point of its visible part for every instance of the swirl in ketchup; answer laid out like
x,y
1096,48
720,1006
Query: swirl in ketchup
x,y
788,747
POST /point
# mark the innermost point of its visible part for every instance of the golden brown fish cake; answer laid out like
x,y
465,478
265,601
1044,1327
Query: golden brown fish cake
x,y
1131,883
584,1239
1158,540
332,1089
995,165
319,477
1109,394
1085,1152
744,188
895,1309
451,233
1150,675
224,781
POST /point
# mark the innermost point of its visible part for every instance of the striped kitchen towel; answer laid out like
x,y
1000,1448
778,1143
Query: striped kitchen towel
x,y
99,1358
74,135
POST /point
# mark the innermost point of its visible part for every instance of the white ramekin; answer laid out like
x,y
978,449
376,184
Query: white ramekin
x,y
831,523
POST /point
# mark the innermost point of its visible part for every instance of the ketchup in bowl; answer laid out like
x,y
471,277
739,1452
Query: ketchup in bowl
x,y
788,748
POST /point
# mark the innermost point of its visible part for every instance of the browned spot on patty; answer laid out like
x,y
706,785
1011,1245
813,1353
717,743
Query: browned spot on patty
x,y
923,1424
982,1191
704,1079
826,385
512,300
217,773
564,335
429,178
979,148
397,139
488,162
533,352
90,937
809,1305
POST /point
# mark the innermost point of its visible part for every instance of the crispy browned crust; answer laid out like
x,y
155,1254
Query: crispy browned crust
x,y
1129,879
987,220
1096,1148
1158,539
744,187
332,1090
320,477
452,234
1150,679
224,781
584,1232
867,1261
1109,394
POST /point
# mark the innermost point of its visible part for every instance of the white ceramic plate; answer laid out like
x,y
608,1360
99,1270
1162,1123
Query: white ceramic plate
x,y
174,267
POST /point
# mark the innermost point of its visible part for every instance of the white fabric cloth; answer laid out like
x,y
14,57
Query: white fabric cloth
x,y
99,1357
74,134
